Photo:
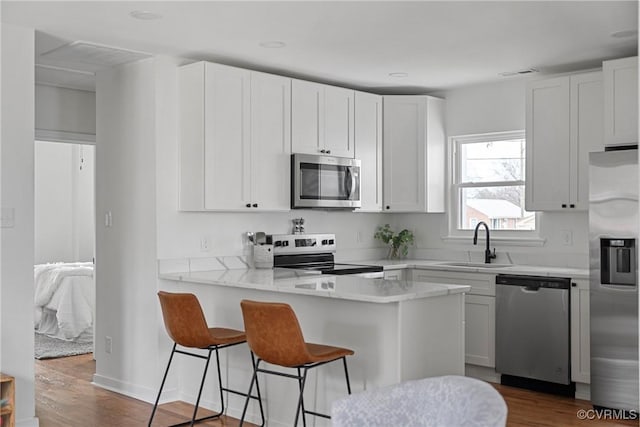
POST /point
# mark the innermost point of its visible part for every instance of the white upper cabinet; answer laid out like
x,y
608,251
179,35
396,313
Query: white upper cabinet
x,y
234,139
564,124
270,141
621,101
414,154
322,119
368,149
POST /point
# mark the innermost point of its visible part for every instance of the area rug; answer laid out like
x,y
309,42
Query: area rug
x,y
50,348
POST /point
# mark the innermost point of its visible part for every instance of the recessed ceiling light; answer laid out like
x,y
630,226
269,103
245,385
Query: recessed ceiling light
x,y
145,15
625,34
398,75
272,44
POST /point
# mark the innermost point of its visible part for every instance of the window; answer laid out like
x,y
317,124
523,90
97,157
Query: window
x,y
488,182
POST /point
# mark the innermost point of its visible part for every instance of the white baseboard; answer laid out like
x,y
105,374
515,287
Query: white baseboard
x,y
583,391
143,393
29,422
482,373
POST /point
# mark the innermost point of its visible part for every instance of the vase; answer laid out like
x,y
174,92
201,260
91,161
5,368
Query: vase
x,y
394,252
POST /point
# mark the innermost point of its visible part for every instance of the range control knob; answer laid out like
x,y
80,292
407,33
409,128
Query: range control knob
x,y
331,242
285,243
277,243
325,242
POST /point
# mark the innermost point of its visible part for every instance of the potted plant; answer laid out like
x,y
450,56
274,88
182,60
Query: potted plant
x,y
398,242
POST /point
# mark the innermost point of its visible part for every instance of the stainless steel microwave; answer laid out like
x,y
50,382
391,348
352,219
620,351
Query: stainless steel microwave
x,y
325,182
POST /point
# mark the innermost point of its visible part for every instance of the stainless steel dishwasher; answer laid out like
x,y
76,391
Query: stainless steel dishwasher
x,y
532,332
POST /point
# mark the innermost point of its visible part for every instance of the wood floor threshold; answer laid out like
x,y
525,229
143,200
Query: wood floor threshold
x,y
65,397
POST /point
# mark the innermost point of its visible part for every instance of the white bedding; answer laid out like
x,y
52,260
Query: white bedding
x,y
65,300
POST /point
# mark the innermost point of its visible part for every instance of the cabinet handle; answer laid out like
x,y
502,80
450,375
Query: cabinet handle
x,y
574,285
564,205
572,206
388,207
328,151
248,205
255,205
323,151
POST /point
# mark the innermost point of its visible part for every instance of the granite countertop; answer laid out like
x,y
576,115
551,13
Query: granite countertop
x,y
574,273
310,283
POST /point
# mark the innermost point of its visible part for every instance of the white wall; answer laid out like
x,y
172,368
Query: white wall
x,y
485,108
64,110
16,285
126,252
64,202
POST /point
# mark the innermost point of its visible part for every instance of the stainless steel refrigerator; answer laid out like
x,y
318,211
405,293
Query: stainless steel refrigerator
x,y
613,232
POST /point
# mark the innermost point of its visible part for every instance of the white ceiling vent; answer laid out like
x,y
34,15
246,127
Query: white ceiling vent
x,y
518,72
93,56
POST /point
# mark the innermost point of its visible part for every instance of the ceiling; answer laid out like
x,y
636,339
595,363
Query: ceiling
x,y
438,44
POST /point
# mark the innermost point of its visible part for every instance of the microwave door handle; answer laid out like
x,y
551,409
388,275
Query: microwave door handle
x,y
351,183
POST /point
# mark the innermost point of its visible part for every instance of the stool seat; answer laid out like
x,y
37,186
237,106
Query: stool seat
x,y
222,336
326,353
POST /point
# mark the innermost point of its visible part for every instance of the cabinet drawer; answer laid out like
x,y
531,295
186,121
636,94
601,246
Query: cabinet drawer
x,y
481,283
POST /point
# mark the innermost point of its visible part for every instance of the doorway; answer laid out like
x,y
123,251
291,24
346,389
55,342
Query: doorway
x,y
64,241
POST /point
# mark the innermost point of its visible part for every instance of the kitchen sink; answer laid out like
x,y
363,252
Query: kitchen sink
x,y
474,265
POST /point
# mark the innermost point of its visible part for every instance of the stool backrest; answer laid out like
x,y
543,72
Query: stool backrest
x,y
184,320
273,333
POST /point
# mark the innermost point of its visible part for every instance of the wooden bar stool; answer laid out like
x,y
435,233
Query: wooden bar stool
x,y
274,336
186,325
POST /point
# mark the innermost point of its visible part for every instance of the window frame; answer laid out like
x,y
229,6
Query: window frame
x,y
524,237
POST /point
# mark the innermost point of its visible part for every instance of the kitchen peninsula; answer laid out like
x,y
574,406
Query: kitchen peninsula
x,y
400,330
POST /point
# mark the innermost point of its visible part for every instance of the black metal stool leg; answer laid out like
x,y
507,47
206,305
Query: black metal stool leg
x,y
164,378
301,398
258,393
246,402
204,377
346,374
220,381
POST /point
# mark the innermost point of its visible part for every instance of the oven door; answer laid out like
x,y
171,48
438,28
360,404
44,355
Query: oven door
x,y
325,182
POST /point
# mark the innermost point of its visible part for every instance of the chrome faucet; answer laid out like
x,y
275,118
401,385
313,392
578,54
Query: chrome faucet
x,y
488,256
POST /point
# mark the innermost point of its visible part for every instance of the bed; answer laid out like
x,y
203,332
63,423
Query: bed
x,y
65,300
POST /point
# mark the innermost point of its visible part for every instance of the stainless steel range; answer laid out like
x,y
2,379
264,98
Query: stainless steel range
x,y
315,252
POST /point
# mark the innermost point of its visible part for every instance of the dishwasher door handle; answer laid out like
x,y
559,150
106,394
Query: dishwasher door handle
x,y
530,289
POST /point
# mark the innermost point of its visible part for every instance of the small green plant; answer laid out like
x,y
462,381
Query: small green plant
x,y
398,242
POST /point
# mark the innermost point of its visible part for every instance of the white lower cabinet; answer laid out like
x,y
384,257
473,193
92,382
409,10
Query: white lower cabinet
x,y
480,311
480,330
580,332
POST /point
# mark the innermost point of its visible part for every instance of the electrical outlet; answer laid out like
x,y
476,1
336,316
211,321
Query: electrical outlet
x,y
204,244
107,345
567,237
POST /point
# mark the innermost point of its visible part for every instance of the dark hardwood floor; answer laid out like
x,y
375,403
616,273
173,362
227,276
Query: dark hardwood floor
x,y
66,398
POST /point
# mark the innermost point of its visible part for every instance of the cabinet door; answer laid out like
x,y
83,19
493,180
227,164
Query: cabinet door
x,y
404,153
368,149
307,100
548,149
587,115
226,131
270,142
480,339
338,121
621,101
580,332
